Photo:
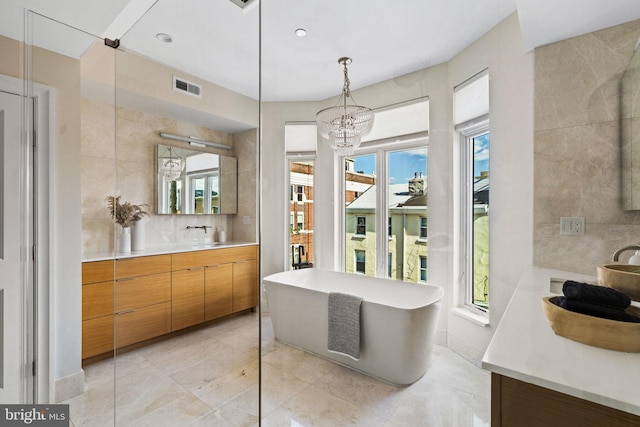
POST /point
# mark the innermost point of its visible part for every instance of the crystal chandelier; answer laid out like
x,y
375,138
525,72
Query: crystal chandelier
x,y
172,167
344,124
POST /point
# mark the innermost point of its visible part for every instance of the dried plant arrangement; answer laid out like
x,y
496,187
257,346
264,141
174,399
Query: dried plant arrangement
x,y
125,214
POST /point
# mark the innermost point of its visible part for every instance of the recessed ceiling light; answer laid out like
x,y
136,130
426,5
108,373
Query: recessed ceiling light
x,y
301,32
164,37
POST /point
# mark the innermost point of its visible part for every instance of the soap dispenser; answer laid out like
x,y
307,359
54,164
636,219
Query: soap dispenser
x,y
222,237
635,258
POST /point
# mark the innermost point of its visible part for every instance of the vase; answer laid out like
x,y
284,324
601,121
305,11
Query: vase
x,y
124,241
138,236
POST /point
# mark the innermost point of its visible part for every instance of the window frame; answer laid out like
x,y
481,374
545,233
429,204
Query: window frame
x,y
357,230
363,262
467,134
425,269
425,227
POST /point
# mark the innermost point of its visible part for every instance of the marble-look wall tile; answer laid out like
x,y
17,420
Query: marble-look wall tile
x,y
577,150
118,157
577,80
581,254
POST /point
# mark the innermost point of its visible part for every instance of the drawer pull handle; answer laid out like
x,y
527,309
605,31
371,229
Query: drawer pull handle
x,y
213,265
195,268
126,311
125,279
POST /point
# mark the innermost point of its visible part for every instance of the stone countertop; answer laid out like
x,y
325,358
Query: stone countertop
x,y
164,249
525,347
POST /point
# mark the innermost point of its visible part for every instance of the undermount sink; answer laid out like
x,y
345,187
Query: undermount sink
x,y
622,277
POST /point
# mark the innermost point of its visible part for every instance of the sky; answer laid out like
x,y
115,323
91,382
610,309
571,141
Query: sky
x,y
403,164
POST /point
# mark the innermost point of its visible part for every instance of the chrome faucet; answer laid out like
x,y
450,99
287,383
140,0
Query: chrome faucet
x,y
616,254
204,227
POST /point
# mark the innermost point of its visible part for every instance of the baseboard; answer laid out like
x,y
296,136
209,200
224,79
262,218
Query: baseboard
x,y
68,387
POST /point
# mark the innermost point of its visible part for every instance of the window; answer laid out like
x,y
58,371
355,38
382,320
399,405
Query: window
x,y
423,228
300,140
301,251
477,212
297,193
471,120
385,220
361,226
423,269
360,261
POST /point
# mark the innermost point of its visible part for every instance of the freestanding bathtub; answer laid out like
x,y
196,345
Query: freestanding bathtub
x,y
398,320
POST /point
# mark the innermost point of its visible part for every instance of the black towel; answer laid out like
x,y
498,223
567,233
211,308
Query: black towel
x,y
595,294
597,310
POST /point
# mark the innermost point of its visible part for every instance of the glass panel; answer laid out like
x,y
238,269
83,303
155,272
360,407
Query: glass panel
x,y
83,109
301,205
407,205
480,290
187,325
360,214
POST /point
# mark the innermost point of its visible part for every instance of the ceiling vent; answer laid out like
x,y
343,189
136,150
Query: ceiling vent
x,y
241,3
182,85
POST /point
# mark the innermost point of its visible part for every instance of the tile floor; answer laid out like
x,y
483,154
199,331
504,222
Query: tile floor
x,y
209,377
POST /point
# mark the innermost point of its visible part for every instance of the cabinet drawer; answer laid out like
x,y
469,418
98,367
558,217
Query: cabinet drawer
x,y
184,260
97,336
142,266
143,323
97,271
135,292
97,300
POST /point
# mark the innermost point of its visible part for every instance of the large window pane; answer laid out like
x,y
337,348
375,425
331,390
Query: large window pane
x,y
301,214
480,222
360,214
407,205
387,219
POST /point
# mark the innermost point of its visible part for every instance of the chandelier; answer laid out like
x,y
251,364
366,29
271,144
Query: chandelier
x,y
344,124
172,167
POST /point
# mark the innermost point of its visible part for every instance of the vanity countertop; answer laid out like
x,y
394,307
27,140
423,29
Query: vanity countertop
x,y
525,347
169,248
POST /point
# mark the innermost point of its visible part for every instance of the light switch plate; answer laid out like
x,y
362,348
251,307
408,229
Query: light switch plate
x,y
571,225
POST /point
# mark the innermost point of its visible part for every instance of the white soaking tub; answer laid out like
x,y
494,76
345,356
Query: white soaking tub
x,y
398,320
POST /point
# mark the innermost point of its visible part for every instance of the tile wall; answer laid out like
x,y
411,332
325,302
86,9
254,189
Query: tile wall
x,y
577,149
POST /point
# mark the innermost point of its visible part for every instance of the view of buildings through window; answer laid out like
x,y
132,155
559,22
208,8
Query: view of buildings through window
x,y
403,205
480,222
301,214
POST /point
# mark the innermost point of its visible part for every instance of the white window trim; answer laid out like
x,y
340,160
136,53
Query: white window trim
x,y
464,307
355,262
355,231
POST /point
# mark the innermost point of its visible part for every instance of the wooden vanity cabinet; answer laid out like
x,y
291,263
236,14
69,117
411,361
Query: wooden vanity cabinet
x,y
158,294
97,307
136,305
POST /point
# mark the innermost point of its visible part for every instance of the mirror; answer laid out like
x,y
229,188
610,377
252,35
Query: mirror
x,y
195,182
630,132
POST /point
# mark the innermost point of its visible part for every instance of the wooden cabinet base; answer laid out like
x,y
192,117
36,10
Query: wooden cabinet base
x,y
516,403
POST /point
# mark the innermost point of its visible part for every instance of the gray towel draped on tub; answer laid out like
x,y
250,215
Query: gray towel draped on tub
x,y
344,324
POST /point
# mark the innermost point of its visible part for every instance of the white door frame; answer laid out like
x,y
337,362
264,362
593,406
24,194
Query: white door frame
x,y
40,320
